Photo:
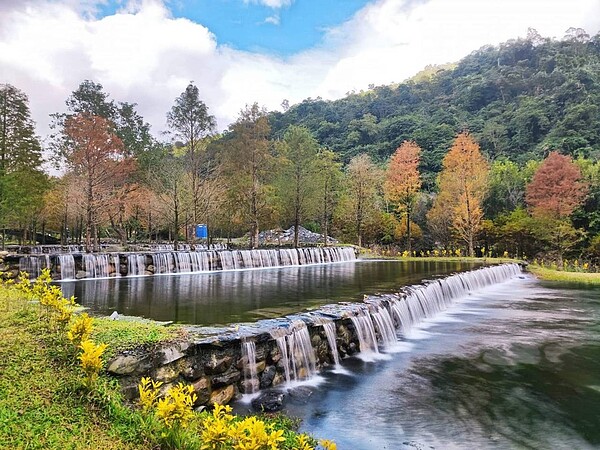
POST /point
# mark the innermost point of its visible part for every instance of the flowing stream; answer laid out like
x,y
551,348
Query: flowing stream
x,y
515,365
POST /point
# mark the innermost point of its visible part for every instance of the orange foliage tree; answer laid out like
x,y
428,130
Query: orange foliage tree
x,y
556,189
97,156
403,181
463,185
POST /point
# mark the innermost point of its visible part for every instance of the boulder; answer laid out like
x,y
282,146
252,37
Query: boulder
x,y
128,364
269,401
222,396
217,365
202,390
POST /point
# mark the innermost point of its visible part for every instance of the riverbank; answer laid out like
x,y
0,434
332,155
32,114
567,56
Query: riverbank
x,y
560,275
46,403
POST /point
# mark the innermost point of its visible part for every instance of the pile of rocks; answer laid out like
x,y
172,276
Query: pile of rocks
x,y
286,237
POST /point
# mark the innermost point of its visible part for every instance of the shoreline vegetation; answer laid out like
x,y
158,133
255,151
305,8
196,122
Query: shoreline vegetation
x,y
54,396
548,274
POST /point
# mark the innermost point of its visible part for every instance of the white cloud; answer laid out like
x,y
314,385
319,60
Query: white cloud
x,y
273,20
142,54
275,4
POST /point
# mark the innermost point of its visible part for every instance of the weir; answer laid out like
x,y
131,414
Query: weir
x,y
222,362
71,266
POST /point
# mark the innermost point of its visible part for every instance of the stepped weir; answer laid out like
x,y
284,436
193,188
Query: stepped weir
x,y
71,266
225,361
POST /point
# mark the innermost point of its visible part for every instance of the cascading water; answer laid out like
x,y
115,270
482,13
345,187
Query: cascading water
x,y
67,266
101,265
365,331
33,265
385,326
297,354
329,327
136,264
251,383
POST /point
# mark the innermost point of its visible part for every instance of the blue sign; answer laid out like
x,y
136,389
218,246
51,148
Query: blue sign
x,y
201,231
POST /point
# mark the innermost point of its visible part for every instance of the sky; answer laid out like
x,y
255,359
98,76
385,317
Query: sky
x,y
243,51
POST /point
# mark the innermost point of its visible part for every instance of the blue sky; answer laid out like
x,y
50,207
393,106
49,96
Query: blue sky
x,y
255,27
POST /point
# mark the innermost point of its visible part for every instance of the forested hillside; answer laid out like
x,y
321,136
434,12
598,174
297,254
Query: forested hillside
x,y
520,100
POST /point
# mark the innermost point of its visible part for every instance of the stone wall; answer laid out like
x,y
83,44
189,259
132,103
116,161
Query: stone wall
x,y
211,360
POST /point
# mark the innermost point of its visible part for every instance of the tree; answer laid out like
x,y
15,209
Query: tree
x,y
556,188
169,182
96,154
329,180
403,181
21,179
462,185
363,181
247,163
190,122
299,150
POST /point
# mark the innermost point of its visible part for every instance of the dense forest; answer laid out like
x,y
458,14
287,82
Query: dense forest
x,y
496,154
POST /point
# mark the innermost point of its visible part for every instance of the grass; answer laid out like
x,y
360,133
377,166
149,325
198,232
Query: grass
x,y
43,404
124,334
560,275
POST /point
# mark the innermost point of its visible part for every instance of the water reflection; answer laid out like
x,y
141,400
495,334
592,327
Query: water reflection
x,y
248,295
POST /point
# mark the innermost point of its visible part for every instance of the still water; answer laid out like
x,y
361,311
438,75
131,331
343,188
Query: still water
x,y
249,295
514,366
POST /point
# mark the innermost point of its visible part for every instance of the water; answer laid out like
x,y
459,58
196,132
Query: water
x,y
249,295
513,365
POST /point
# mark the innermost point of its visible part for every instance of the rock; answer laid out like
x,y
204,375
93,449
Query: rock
x,y
192,370
222,396
279,378
269,401
202,390
226,378
266,378
128,364
173,352
166,374
249,386
217,365
81,274
301,394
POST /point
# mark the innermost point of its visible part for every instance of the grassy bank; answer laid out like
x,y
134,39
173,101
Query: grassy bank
x,y
560,275
43,404
46,402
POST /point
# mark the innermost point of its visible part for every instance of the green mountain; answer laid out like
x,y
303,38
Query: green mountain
x,y
520,100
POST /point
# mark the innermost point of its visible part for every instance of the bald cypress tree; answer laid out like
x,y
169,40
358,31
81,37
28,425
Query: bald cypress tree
x,y
21,178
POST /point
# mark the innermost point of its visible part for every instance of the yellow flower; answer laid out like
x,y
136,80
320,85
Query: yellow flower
x,y
175,409
327,444
91,361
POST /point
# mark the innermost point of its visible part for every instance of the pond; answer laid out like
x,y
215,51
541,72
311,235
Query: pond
x,y
224,297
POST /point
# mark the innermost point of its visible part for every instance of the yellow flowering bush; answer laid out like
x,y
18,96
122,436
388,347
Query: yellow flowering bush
x,y
175,409
80,329
149,393
91,360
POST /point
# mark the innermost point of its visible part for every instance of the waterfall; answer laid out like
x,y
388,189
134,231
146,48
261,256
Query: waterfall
x,y
251,383
33,265
67,266
163,262
101,265
136,264
385,326
297,354
329,327
365,331
116,262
